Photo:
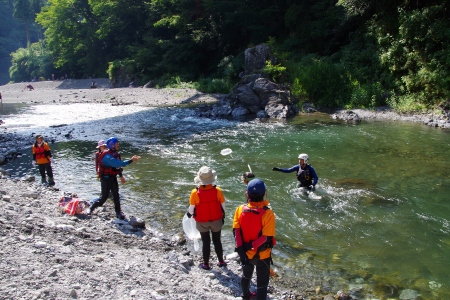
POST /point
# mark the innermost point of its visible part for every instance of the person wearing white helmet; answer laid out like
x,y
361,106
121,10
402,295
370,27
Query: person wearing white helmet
x,y
306,175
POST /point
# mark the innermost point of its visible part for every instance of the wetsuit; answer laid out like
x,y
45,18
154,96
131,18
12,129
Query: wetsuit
x,y
306,177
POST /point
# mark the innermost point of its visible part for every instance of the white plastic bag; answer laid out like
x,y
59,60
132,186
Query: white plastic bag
x,y
191,231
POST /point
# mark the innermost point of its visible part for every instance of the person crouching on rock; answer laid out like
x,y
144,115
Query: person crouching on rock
x,y
254,232
110,165
42,155
207,206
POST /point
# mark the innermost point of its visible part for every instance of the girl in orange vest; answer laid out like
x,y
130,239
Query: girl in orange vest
x,y
207,206
42,155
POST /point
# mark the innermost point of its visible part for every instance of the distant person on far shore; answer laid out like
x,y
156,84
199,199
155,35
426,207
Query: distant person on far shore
x,y
29,87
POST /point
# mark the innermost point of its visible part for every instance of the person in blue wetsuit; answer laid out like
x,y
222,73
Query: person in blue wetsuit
x,y
306,174
110,165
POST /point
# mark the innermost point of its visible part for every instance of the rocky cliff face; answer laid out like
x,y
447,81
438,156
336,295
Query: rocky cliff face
x,y
255,94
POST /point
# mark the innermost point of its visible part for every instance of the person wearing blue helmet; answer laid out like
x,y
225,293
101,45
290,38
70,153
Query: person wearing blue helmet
x,y
254,232
110,165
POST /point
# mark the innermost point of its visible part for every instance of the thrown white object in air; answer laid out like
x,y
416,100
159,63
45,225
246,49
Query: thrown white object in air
x,y
191,230
226,151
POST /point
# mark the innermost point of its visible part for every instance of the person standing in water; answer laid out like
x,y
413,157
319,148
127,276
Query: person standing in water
x,y
42,155
254,232
207,207
247,176
306,175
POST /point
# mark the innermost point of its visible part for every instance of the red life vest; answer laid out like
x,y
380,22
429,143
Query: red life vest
x,y
209,209
105,170
251,222
39,151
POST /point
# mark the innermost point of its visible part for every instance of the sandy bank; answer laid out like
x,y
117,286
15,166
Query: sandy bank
x,y
78,91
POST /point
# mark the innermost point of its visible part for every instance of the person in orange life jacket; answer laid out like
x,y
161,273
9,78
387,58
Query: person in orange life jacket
x,y
207,207
110,165
306,175
42,155
101,146
254,231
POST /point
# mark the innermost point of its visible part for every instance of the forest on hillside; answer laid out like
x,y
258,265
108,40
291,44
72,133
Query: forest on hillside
x,y
333,53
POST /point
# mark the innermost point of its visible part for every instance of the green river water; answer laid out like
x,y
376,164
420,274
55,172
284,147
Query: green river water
x,y
378,223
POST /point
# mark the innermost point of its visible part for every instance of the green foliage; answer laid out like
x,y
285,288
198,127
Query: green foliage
x,y
332,52
418,54
214,85
369,95
277,73
408,103
321,82
204,85
33,61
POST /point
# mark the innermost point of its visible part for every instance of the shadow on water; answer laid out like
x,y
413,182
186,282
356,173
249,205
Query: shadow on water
x,y
12,108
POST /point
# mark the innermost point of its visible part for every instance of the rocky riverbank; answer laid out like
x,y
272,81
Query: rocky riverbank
x,y
50,255
47,254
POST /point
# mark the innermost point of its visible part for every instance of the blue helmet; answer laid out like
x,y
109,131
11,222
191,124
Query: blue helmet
x,y
111,142
256,186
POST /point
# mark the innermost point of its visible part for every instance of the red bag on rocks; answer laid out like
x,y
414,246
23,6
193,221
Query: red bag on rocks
x,y
72,206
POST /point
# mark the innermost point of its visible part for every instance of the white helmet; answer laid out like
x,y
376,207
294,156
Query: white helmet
x,y
303,156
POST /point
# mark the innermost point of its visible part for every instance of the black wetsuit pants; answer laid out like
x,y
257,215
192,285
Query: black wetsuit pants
x,y
262,279
206,240
47,167
109,184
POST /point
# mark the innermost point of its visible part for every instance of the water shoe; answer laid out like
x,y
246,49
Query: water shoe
x,y
205,266
221,264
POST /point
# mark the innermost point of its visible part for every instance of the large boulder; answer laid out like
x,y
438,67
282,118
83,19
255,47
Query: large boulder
x,y
255,93
256,57
121,78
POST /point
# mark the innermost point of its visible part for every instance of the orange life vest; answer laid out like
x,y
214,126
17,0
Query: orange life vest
x,y
106,170
209,209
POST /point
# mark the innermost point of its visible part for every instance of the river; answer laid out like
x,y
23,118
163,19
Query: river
x,y
378,223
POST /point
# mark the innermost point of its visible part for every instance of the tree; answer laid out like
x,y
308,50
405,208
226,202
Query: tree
x,y
24,12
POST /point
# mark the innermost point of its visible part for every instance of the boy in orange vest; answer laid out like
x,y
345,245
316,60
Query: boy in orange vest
x,y
254,231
